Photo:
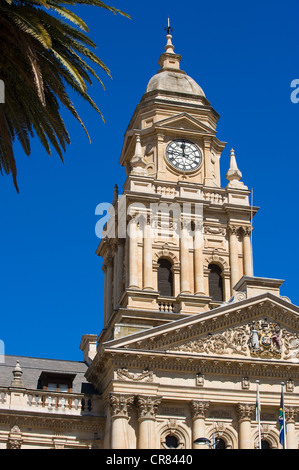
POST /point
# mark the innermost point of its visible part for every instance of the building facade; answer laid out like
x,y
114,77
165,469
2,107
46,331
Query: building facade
x,y
189,333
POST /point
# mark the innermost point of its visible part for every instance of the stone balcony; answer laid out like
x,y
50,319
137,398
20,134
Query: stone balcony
x,y
42,401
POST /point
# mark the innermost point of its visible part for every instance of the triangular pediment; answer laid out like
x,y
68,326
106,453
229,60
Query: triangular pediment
x,y
263,327
185,122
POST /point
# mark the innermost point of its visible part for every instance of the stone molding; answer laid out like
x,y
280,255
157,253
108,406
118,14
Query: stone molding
x,y
55,423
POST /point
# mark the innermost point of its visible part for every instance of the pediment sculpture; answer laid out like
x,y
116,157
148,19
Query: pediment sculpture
x,y
262,338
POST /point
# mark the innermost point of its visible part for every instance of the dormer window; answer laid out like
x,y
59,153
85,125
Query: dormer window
x,y
56,382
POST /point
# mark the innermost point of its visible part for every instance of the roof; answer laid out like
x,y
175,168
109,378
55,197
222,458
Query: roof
x,y
32,368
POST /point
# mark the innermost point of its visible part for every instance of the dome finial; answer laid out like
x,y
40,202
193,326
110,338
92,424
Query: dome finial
x,y
169,60
169,46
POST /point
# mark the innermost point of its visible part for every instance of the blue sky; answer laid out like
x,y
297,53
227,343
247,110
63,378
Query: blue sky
x,y
244,55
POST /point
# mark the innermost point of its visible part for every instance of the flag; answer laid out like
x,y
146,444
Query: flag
x,y
282,421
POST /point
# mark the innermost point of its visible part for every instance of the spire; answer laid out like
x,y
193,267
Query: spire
x,y
137,162
169,60
115,195
234,175
169,46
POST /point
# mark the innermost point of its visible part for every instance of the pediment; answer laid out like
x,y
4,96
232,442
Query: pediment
x,y
263,327
185,122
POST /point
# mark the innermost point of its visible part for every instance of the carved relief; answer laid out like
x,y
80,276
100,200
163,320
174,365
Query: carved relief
x,y
120,405
265,339
260,338
200,379
245,411
148,406
199,408
124,374
234,339
291,343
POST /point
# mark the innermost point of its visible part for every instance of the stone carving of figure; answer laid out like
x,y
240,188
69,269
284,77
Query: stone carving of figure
x,y
276,338
254,338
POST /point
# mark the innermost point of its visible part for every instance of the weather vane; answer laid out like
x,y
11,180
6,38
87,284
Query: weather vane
x,y
169,28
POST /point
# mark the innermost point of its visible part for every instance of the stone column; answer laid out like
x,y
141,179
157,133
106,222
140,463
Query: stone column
x,y
184,259
108,291
198,259
226,285
133,255
208,178
120,269
115,251
147,410
119,409
233,257
247,252
245,413
198,411
290,413
147,258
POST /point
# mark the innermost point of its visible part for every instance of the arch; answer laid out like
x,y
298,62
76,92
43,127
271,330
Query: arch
x,y
216,259
166,253
269,435
227,434
177,430
265,444
215,282
165,277
220,443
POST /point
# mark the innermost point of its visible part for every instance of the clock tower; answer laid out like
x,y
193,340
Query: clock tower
x,y
177,242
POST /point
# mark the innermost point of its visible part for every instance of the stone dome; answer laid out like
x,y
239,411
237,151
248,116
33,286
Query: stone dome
x,y
170,77
175,81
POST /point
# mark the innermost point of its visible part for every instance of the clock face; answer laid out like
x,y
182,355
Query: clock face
x,y
183,155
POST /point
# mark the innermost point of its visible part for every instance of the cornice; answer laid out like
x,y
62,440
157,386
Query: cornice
x,y
54,422
189,363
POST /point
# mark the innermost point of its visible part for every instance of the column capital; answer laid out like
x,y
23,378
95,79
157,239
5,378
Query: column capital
x,y
199,408
291,413
148,406
246,230
120,405
245,411
233,229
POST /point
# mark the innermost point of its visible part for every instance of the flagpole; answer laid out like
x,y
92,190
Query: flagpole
x,y
258,409
284,418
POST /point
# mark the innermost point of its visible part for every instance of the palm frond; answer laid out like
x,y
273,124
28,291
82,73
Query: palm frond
x,y
44,50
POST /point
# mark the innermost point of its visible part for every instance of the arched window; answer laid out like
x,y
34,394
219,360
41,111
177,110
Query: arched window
x,y
265,444
215,283
220,444
171,442
165,278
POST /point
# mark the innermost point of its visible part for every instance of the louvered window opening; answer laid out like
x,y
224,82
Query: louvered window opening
x,y
215,283
165,278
